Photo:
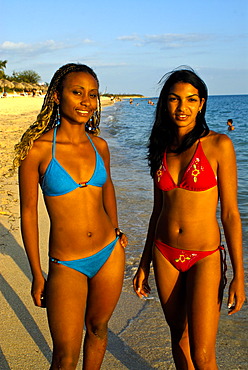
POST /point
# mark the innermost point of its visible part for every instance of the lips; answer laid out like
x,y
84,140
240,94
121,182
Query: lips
x,y
82,111
181,116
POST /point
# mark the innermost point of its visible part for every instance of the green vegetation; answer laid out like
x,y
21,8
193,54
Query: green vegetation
x,y
31,77
2,66
27,76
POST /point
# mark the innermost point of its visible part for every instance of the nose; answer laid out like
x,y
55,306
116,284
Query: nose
x,y
85,100
181,105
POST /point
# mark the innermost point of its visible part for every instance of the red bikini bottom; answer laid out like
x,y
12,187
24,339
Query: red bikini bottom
x,y
182,259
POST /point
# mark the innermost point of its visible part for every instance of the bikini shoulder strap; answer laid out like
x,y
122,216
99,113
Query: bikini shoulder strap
x,y
91,141
54,141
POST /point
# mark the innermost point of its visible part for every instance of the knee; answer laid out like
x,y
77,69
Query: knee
x,y
97,329
63,361
179,333
203,358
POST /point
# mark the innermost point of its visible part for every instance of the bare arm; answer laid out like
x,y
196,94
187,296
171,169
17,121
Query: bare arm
x,y
109,198
230,217
28,188
140,281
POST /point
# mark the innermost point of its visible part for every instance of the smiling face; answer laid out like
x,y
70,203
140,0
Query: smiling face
x,y
183,104
78,99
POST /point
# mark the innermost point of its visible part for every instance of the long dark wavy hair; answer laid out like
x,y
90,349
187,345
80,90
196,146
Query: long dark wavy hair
x,y
49,113
164,131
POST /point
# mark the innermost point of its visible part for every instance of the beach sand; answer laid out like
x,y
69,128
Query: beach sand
x,y
138,335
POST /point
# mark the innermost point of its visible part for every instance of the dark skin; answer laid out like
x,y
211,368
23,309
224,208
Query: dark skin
x,y
82,223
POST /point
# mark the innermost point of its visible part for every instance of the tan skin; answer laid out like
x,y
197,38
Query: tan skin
x,y
82,223
187,220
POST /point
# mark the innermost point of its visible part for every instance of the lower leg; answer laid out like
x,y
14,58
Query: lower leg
x,y
101,301
204,360
204,284
95,344
65,295
181,351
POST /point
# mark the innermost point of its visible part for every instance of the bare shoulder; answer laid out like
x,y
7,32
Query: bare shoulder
x,y
218,141
45,138
41,147
100,144
218,148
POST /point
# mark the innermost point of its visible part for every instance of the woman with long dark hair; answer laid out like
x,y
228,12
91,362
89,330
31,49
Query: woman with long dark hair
x,y
192,168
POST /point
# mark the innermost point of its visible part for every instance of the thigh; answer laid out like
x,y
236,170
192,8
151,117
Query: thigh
x,y
204,300
66,293
105,287
171,285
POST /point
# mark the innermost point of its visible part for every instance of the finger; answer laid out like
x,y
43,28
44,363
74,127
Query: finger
x,y
230,301
39,299
137,286
42,300
231,309
138,292
124,241
141,293
236,307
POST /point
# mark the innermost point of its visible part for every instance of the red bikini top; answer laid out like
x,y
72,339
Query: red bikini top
x,y
199,175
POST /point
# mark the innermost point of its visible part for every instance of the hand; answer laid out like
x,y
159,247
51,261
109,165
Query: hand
x,y
140,283
236,296
123,240
38,292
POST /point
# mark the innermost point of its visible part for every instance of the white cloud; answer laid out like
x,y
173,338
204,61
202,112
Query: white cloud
x,y
168,40
8,45
128,38
24,48
48,46
88,41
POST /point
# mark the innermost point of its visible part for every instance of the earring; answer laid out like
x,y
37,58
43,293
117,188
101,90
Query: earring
x,y
57,119
93,123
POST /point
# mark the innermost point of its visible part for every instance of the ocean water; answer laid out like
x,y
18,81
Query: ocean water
x,y
127,127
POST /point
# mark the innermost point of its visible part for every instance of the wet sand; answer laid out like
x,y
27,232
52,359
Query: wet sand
x,y
138,335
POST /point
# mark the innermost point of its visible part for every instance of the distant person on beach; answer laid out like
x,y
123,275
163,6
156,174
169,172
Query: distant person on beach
x,y
230,125
191,172
62,152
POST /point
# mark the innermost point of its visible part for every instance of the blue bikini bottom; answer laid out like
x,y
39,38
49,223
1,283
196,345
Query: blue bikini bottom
x,y
89,266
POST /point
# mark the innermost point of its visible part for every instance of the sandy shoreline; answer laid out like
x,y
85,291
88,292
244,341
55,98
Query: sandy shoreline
x,y
138,335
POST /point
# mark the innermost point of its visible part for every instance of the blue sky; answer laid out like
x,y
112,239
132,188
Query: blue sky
x,y
130,44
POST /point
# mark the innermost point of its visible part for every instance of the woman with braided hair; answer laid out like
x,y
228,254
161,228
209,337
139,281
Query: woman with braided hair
x,y
62,152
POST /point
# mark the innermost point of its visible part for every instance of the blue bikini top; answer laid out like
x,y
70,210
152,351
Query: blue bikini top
x,y
57,181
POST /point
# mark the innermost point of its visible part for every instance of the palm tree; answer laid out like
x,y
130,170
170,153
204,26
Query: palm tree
x,y
2,66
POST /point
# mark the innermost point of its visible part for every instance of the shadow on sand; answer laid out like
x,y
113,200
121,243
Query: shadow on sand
x,y
116,346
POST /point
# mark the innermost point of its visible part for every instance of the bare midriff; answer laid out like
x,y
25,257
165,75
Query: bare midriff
x,y
188,219
80,226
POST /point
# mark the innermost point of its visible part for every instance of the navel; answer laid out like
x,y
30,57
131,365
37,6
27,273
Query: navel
x,y
89,234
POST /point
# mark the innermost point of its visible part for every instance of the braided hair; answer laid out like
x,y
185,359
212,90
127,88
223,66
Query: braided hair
x,y
49,114
163,131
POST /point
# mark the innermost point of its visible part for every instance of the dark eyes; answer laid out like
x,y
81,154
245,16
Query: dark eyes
x,y
174,99
93,95
79,92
